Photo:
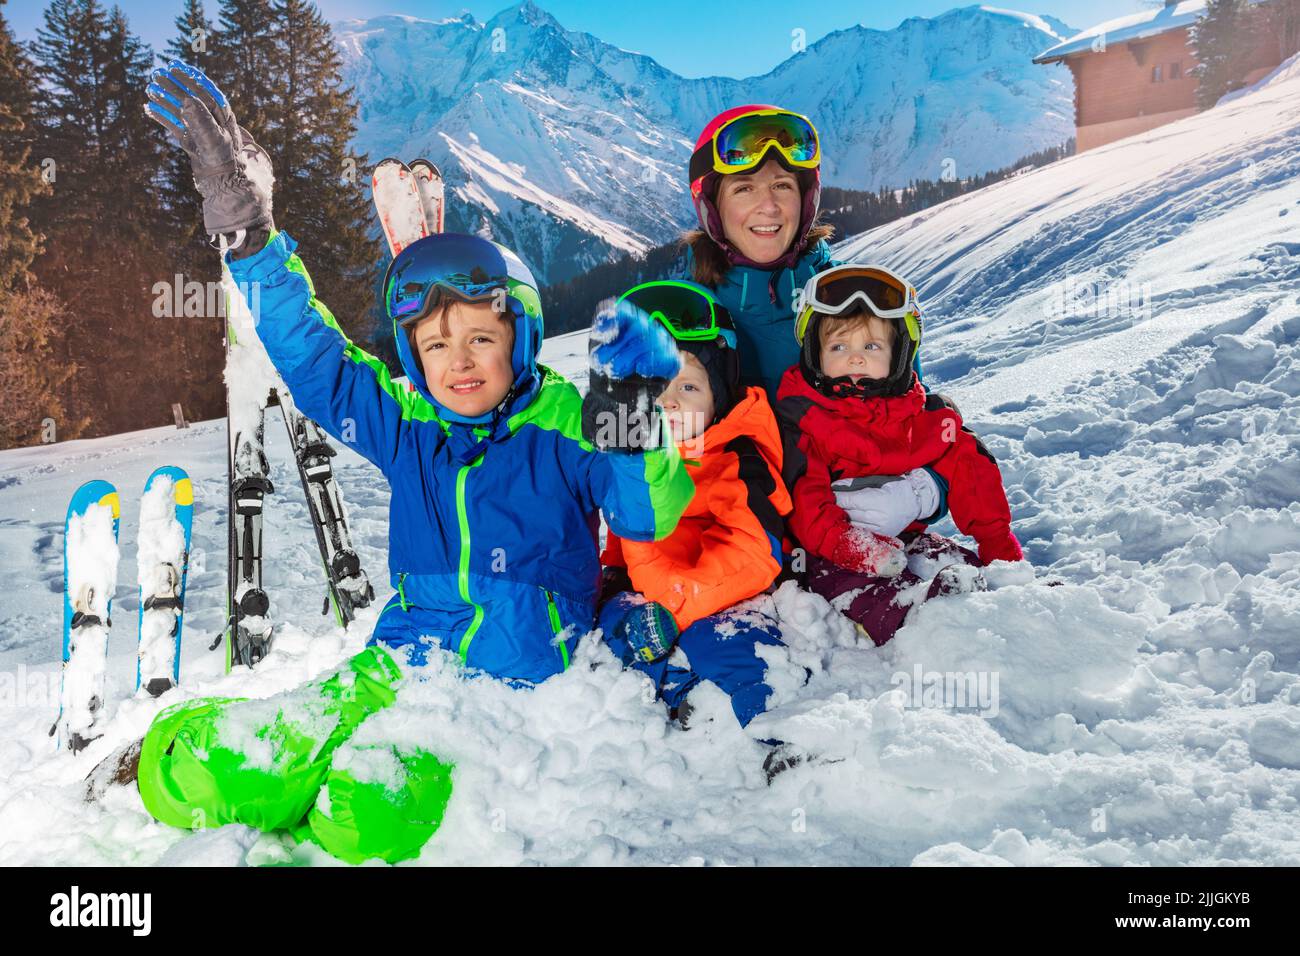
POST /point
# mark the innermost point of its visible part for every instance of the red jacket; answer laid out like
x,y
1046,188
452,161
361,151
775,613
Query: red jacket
x,y
855,437
727,546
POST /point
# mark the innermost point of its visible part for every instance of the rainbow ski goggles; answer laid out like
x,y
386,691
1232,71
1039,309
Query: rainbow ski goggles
x,y
687,310
742,142
844,288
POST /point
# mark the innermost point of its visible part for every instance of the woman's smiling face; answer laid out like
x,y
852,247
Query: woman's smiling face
x,y
760,211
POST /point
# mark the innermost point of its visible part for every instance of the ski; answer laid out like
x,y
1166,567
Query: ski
x,y
250,382
349,588
90,557
396,195
428,181
166,517
252,385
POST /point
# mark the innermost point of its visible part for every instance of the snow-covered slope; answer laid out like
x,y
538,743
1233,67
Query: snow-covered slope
x,y
1144,711
571,150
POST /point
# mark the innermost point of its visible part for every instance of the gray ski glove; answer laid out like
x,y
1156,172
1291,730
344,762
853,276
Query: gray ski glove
x,y
232,173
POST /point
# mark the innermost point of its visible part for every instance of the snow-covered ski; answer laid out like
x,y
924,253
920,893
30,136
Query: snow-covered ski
x,y
396,195
248,375
349,588
166,516
252,384
90,556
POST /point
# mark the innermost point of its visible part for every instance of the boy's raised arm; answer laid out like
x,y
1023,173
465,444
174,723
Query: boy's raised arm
x,y
348,392
345,389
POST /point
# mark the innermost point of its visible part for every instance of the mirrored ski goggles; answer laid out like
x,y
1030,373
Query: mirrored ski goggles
x,y
848,287
741,143
457,265
686,310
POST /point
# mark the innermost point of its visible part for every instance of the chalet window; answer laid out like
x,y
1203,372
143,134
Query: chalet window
x,y
1157,74
1175,70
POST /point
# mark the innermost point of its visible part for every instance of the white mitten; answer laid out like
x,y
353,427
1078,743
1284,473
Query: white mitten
x,y
887,503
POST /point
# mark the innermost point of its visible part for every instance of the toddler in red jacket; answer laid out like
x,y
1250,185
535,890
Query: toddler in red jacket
x,y
872,457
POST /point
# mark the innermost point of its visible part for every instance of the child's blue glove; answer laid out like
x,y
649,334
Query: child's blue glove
x,y
625,343
649,632
631,359
231,172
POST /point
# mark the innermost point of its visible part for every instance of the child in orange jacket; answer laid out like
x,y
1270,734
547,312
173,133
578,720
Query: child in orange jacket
x,y
680,613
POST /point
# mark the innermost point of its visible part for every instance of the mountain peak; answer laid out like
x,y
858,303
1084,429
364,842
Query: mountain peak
x,y
982,11
529,13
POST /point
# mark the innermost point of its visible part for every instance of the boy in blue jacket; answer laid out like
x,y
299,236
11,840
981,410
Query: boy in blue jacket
x,y
495,492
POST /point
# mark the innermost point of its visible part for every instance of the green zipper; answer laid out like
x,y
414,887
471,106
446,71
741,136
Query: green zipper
x,y
463,517
556,626
401,596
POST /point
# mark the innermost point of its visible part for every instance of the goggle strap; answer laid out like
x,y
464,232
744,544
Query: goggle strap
x,y
913,328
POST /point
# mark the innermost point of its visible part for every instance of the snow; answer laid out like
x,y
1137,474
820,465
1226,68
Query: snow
x,y
1131,699
92,556
397,199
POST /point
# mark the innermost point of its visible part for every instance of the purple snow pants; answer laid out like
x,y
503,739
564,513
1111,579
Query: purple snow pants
x,y
879,605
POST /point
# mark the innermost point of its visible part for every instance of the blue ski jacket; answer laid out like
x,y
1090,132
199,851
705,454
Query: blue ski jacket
x,y
492,539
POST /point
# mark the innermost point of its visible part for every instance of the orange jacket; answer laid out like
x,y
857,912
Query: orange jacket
x,y
727,546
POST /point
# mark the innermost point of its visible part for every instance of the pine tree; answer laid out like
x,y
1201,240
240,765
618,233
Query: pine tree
x,y
194,37
70,51
242,60
201,349
19,181
32,380
106,246
1223,41
182,202
133,145
319,198
277,62
1284,23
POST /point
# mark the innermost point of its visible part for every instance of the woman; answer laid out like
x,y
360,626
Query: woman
x,y
756,186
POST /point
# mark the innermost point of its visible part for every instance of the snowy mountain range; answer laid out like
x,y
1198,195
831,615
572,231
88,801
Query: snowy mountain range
x,y
573,151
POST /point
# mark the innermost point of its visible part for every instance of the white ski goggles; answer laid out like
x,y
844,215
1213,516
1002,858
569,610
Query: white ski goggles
x,y
844,288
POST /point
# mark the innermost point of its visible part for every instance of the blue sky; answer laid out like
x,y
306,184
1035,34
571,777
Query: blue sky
x,y
740,38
